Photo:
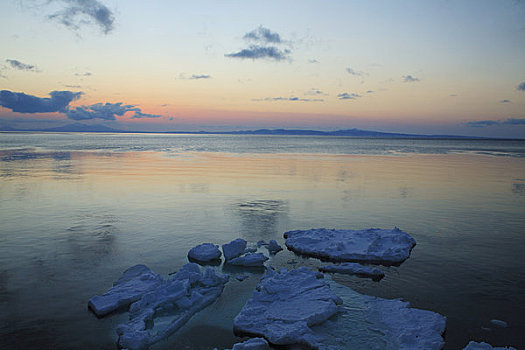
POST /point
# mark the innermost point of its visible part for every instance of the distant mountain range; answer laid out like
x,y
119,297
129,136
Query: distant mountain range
x,y
79,127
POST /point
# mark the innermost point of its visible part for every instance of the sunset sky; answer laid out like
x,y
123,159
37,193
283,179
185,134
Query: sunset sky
x,y
433,67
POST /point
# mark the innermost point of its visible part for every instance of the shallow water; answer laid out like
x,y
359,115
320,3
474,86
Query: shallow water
x,y
78,209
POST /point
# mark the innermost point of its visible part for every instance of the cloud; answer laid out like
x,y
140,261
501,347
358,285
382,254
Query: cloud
x,y
315,92
485,123
139,115
199,76
86,74
263,46
293,98
77,13
19,102
263,35
313,61
410,79
257,52
370,91
347,96
21,66
505,101
521,86
355,73
106,111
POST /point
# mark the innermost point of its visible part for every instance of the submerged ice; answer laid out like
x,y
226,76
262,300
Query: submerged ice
x,y
388,247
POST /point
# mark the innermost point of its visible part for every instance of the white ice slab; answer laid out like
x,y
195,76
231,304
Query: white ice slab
x,y
484,346
354,269
205,252
134,283
369,245
249,260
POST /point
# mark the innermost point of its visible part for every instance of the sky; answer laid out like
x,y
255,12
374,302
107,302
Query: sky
x,y
433,67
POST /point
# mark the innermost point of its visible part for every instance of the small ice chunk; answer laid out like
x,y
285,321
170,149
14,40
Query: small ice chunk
x,y
369,245
354,269
241,277
252,344
249,260
252,249
499,323
273,247
205,252
285,305
234,249
134,283
472,345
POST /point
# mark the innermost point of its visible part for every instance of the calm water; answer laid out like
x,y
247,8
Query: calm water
x,y
78,209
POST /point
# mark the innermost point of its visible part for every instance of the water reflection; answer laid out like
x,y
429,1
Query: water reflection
x,y
260,218
518,188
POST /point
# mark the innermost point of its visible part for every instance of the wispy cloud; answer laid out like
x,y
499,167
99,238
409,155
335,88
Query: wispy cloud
x,y
19,102
21,66
313,61
139,115
356,73
85,74
106,111
263,35
200,76
410,79
315,92
260,47
486,123
505,101
293,98
347,96
77,13
521,86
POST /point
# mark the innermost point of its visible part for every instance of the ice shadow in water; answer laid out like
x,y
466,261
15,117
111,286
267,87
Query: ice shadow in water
x,y
260,218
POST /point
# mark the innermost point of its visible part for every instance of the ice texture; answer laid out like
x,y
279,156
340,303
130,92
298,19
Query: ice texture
x,y
234,249
134,283
205,252
484,346
300,307
177,299
273,247
252,344
285,305
354,269
387,247
249,260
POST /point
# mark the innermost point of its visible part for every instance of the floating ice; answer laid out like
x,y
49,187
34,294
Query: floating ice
x,y
499,323
298,307
484,346
205,252
273,247
370,245
134,283
354,269
252,344
249,260
234,249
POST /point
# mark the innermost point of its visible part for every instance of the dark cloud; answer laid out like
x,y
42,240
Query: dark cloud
x,y
485,123
22,103
355,72
21,66
77,13
257,52
347,96
293,98
139,115
106,111
199,76
263,35
521,87
505,101
410,79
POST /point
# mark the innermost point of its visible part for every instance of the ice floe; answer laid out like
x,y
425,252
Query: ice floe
x,y
252,344
484,346
234,249
354,269
300,307
134,283
249,260
205,252
273,247
388,247
499,323
176,299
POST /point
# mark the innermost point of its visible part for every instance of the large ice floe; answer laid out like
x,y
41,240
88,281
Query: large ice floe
x,y
484,346
387,247
175,300
300,307
205,252
354,269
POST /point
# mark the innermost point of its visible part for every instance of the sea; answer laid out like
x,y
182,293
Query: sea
x,y
77,209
